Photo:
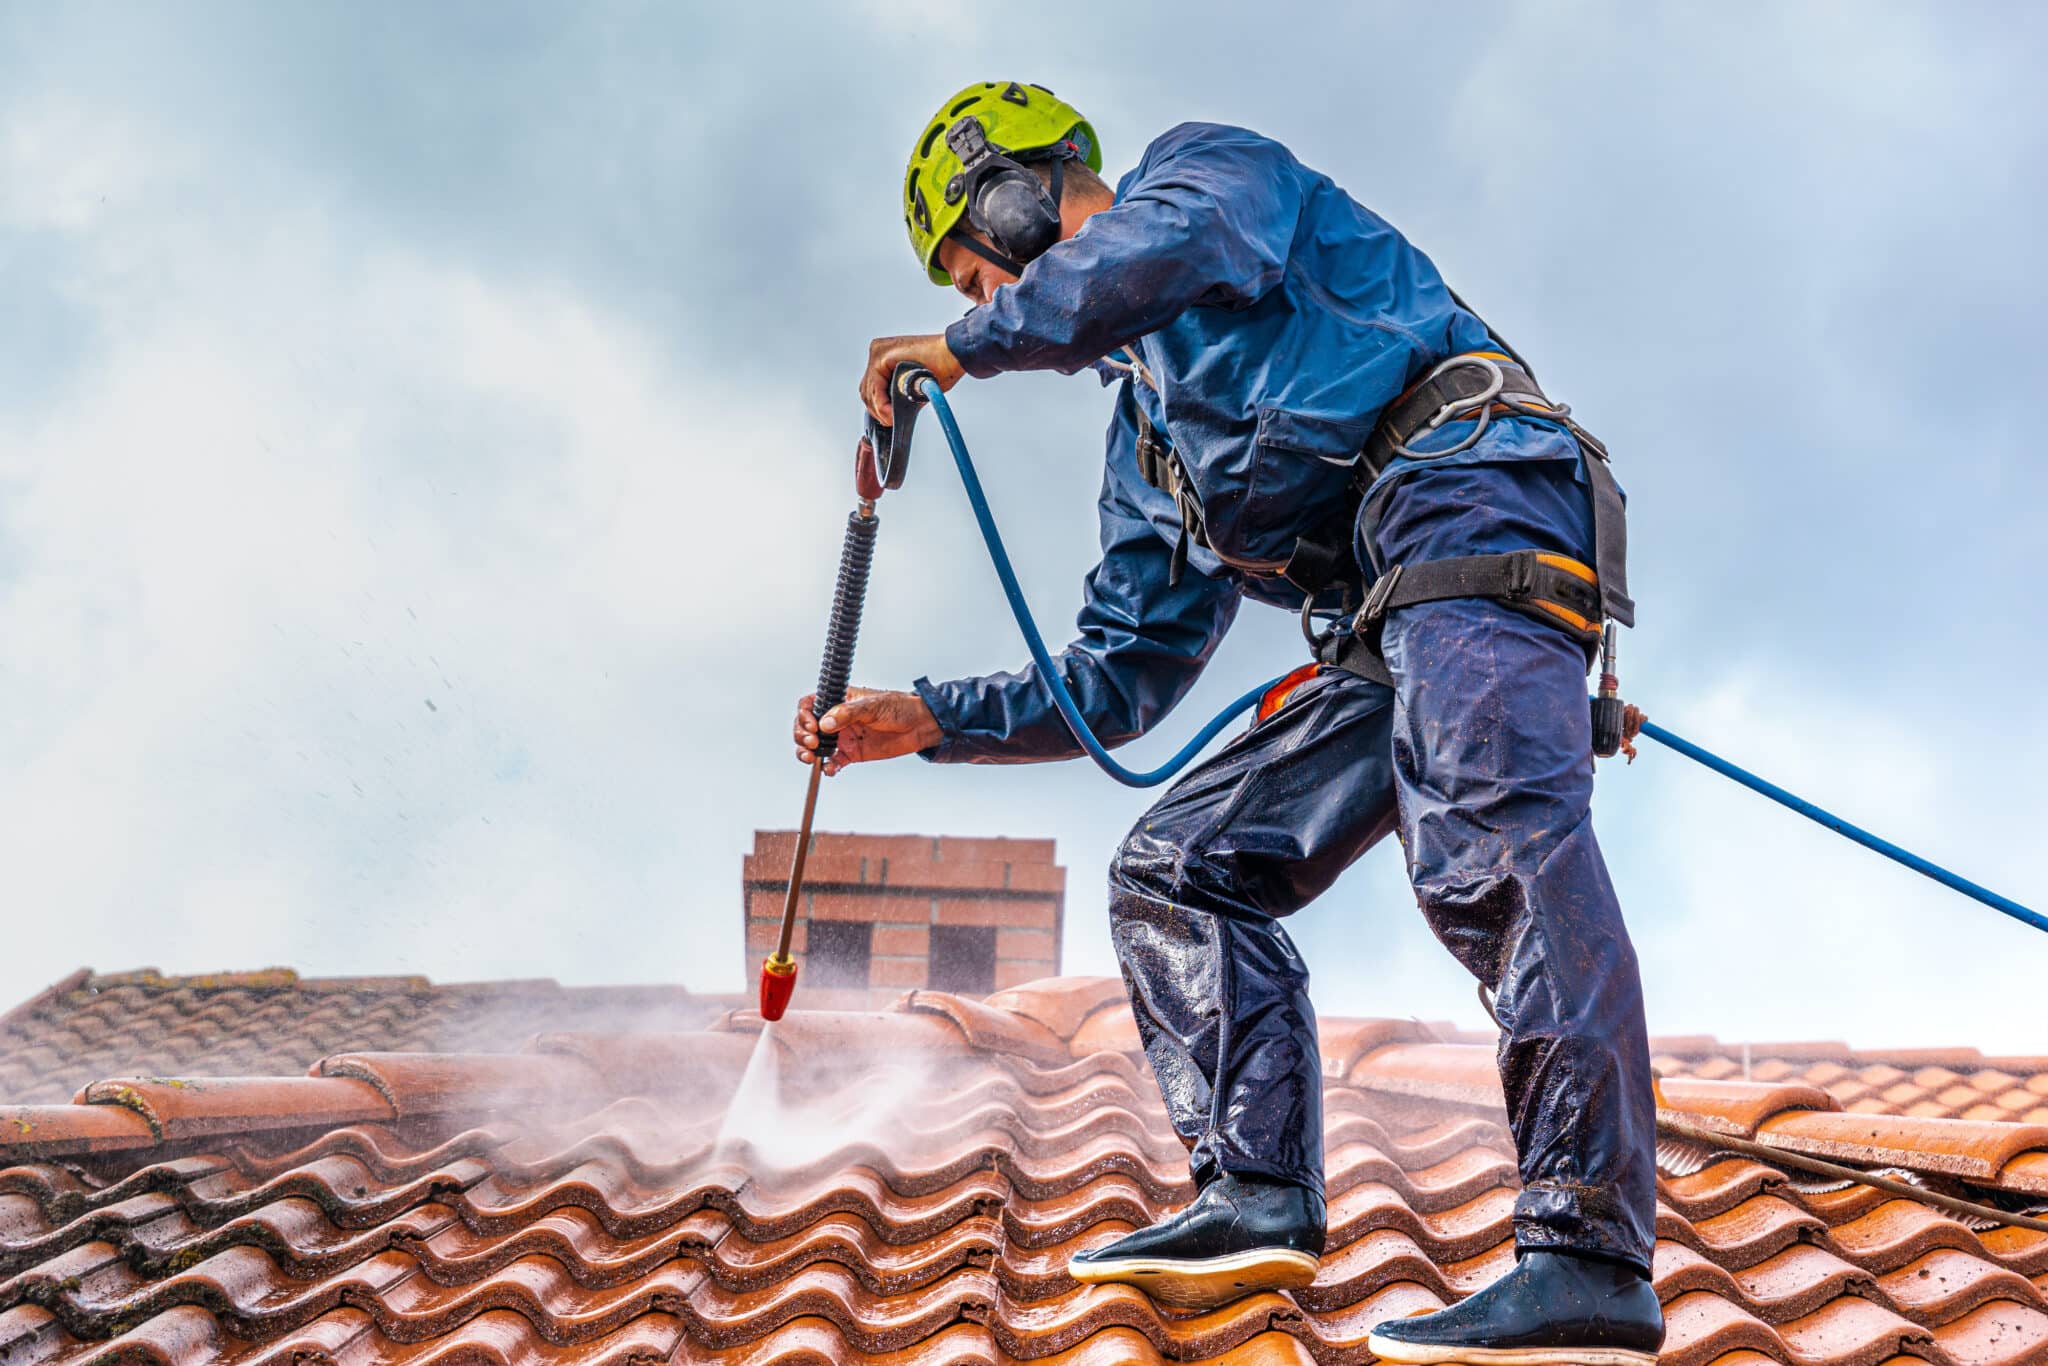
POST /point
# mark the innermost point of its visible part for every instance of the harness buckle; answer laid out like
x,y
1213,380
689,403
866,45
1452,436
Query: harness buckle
x,y
1376,601
1521,572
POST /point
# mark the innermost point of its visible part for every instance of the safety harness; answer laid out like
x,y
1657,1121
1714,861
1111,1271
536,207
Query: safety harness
x,y
1475,387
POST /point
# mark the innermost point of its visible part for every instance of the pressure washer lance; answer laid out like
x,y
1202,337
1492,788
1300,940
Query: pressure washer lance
x,y
1609,712
880,461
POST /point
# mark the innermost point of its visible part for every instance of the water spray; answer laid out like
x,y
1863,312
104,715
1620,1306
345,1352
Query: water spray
x,y
880,462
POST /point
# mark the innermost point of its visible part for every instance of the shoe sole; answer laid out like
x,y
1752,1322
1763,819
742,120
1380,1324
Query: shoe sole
x,y
1419,1354
1207,1282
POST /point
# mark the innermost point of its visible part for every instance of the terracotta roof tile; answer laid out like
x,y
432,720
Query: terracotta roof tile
x,y
1735,1107
461,1219
274,1022
992,1028
1927,1082
1108,1031
1062,1004
1961,1147
193,1107
56,1130
1464,1074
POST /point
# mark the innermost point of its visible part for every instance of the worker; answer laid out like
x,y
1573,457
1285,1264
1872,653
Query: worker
x,y
1308,417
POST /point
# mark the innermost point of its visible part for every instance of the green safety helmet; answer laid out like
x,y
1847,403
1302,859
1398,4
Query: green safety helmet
x,y
1016,119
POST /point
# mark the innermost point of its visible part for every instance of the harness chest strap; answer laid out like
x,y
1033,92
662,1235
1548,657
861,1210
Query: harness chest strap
x,y
1474,387
1159,465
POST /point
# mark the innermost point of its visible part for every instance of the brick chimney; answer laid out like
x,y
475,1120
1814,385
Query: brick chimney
x,y
884,913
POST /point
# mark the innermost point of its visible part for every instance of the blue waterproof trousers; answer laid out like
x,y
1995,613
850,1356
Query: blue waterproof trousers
x,y
1482,753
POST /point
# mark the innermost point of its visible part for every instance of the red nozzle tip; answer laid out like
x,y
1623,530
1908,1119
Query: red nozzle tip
x,y
778,984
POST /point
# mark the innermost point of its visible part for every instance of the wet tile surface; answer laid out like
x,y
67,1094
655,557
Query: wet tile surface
x,y
908,1191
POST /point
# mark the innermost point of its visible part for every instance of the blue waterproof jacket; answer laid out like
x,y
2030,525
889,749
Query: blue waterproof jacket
x,y
1277,316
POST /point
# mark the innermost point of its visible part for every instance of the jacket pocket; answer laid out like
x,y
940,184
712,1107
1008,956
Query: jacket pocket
x,y
1302,466
1333,440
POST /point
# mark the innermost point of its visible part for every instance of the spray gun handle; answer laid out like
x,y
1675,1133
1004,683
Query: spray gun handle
x,y
891,442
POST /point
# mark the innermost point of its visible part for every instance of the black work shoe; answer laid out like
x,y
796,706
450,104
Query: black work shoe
x,y
1242,1234
1553,1309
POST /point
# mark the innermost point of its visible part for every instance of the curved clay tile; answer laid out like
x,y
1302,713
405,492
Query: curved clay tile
x,y
2027,1172
1061,1004
1702,1326
1718,1187
1113,1030
456,1254
1467,1230
2001,1333
65,1130
872,1323
1462,1074
737,1264
1051,1326
1959,1147
818,1342
1852,1331
1053,1219
1947,1284
1380,1257
1898,1232
1677,1270
195,1107
991,1029
1735,1107
1341,1336
1760,1227
1799,1281
1128,1347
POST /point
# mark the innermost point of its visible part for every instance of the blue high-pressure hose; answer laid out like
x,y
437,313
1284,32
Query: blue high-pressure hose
x,y
1071,714
1035,642
1820,816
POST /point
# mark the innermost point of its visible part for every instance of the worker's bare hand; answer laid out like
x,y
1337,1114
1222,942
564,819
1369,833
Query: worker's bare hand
x,y
871,724
886,353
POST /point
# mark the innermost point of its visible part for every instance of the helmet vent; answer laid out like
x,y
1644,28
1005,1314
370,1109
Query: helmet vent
x,y
924,149
971,99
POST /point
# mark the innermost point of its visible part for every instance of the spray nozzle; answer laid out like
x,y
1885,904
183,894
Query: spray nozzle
x,y
778,984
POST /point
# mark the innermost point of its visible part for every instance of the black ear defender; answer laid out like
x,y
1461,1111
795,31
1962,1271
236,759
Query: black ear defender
x,y
1004,199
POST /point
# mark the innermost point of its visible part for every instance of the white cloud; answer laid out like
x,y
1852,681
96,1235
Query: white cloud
x,y
330,551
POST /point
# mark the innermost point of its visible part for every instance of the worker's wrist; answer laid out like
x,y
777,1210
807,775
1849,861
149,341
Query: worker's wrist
x,y
972,348
942,743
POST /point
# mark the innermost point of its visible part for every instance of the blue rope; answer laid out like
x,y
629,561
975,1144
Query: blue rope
x,y
1071,713
1035,642
1843,828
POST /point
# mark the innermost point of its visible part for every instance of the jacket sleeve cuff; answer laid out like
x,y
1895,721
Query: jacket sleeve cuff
x,y
971,343
952,747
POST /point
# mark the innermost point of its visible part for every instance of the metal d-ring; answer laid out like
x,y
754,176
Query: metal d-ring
x,y
1460,409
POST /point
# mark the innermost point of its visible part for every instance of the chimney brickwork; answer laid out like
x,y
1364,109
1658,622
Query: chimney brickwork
x,y
888,913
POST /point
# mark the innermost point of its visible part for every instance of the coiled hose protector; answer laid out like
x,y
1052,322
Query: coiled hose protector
x,y
856,556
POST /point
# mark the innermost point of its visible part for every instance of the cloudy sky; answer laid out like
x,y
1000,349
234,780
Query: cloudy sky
x,y
424,430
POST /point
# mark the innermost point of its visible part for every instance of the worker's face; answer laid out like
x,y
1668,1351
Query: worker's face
x,y
972,276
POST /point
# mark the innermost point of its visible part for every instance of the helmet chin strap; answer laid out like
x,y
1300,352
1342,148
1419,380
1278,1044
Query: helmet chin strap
x,y
987,253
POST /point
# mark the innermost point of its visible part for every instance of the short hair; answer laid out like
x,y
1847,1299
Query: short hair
x,y
1076,171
